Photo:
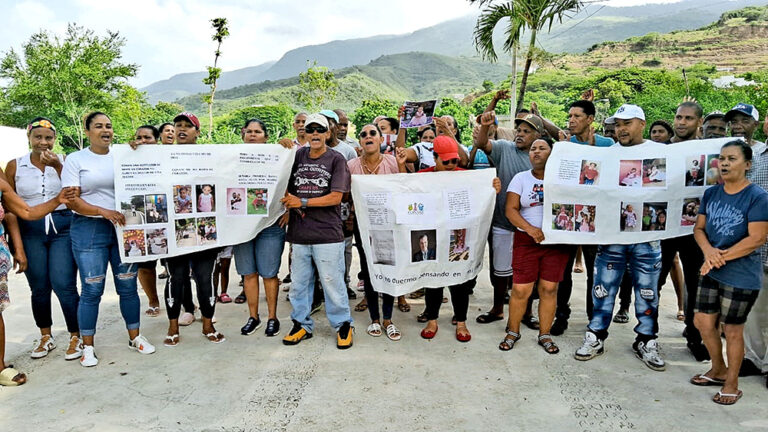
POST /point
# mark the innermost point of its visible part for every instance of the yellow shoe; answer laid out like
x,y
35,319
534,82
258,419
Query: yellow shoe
x,y
296,335
344,336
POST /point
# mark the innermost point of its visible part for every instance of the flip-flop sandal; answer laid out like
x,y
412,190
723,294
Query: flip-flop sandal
x,y
152,311
374,329
488,318
404,307
422,317
704,381
171,340
240,299
8,374
419,293
217,337
363,305
225,298
717,398
393,333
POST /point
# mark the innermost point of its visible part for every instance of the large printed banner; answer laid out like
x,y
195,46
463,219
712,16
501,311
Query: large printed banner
x,y
624,195
423,230
178,199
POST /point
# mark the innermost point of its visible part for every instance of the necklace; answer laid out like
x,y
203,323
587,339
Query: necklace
x,y
369,170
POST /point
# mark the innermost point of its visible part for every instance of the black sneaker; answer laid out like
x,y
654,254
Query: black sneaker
x,y
699,351
559,327
251,326
273,327
531,322
316,307
351,294
287,279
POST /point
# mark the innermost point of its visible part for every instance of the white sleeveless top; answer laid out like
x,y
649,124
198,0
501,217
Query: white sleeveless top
x,y
36,187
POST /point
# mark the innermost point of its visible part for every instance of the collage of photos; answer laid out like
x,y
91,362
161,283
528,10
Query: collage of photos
x,y
573,217
383,247
458,249
145,209
158,241
134,244
713,171
648,216
694,173
590,173
257,201
690,210
562,217
418,113
423,245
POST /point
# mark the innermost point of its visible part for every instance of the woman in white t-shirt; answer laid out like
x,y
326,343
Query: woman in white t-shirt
x,y
94,242
532,262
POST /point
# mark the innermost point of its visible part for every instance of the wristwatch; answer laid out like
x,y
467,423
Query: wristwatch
x,y
304,202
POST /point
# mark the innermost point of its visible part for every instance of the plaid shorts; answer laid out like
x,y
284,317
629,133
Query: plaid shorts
x,y
733,304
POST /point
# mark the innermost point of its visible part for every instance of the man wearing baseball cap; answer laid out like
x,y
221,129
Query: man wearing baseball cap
x,y
743,120
714,125
643,261
319,179
510,158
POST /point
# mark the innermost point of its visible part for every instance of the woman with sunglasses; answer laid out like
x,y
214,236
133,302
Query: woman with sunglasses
x,y
446,157
373,162
36,177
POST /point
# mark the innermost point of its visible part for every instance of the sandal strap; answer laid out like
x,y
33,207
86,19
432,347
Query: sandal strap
x,y
545,336
516,335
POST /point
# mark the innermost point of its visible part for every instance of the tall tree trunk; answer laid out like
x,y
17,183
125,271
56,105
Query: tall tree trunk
x,y
513,82
526,70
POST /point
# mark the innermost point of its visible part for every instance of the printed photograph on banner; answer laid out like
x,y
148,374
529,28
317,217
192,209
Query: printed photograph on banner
x,y
584,218
134,244
713,170
631,173
183,195
562,217
423,245
158,241
590,173
236,204
690,211
185,233
157,208
630,218
133,210
206,231
654,216
418,113
458,249
694,172
383,246
206,198
655,172
257,201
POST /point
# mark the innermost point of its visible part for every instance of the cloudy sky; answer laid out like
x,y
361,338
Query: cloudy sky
x,y
261,30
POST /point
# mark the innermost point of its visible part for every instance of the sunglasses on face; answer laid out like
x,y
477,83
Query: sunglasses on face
x,y
451,162
312,129
373,133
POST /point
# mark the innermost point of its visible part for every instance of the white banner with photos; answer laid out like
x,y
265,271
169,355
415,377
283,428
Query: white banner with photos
x,y
179,199
625,195
423,230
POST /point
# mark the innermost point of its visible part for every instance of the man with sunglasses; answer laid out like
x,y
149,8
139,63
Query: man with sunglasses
x,y
319,179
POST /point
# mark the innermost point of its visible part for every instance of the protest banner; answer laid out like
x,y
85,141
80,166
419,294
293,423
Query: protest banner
x,y
179,199
423,230
418,113
626,195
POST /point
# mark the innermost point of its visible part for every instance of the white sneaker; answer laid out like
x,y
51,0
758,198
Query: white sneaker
x,y
88,358
142,345
75,349
186,319
44,346
591,348
648,352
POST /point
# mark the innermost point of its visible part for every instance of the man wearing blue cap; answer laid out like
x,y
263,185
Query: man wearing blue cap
x,y
743,121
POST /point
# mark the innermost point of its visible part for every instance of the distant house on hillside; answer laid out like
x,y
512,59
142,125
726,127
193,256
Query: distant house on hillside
x,y
727,81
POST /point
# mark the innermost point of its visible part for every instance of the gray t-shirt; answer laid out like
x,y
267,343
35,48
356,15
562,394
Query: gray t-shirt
x,y
508,160
346,150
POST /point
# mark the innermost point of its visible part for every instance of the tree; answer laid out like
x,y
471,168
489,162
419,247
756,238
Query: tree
x,y
316,84
532,15
63,79
221,32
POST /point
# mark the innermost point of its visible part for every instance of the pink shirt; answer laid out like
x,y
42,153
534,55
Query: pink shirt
x,y
388,166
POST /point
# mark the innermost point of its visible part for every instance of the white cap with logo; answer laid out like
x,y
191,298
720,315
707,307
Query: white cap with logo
x,y
627,112
317,119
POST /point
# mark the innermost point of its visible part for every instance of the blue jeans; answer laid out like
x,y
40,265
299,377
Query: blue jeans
x,y
329,259
51,268
95,245
644,261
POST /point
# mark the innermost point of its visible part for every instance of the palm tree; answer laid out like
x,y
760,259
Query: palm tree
x,y
532,15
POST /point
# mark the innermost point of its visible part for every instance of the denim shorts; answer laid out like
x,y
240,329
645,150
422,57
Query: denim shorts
x,y
261,254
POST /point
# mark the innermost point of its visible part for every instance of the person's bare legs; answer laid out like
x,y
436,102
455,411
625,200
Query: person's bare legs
x,y
518,302
734,350
20,378
578,265
251,289
271,289
678,282
707,324
547,305
223,271
148,281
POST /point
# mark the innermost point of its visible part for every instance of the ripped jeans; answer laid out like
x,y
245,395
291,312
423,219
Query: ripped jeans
x,y
94,244
329,259
644,261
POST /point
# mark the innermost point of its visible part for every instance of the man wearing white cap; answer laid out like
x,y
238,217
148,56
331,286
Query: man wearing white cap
x,y
319,179
643,261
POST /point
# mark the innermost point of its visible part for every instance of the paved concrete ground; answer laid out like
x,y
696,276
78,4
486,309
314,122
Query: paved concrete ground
x,y
255,383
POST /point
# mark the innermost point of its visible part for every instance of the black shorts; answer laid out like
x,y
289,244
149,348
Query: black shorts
x,y
733,304
147,264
